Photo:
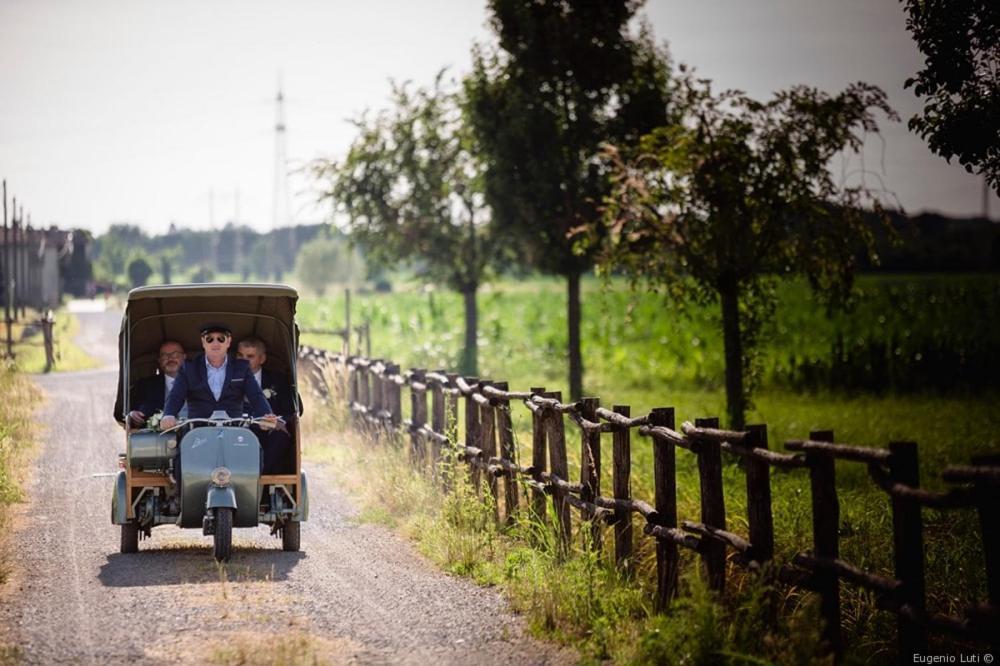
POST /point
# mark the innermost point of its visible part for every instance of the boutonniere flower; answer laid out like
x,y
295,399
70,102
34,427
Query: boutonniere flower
x,y
153,421
270,393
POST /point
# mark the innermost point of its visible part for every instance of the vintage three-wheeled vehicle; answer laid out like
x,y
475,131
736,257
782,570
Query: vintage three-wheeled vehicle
x,y
220,484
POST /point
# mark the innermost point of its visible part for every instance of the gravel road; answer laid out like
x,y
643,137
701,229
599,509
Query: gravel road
x,y
355,594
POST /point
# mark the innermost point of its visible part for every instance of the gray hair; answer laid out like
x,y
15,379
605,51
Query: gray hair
x,y
256,343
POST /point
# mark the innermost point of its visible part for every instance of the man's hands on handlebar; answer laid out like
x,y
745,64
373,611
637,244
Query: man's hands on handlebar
x,y
266,422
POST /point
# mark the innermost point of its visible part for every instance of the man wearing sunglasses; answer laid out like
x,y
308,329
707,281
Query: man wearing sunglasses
x,y
214,381
151,392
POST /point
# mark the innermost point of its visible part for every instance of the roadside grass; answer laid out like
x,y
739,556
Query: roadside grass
x,y
18,398
572,597
29,350
294,648
10,654
649,356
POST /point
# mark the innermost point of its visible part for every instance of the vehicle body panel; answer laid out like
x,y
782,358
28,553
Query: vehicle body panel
x,y
119,500
205,449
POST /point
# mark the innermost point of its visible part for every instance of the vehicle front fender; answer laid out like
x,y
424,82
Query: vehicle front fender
x,y
220,498
303,508
119,500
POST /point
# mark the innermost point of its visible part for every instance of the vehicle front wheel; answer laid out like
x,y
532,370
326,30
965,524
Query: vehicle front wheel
x,y
223,534
290,536
130,537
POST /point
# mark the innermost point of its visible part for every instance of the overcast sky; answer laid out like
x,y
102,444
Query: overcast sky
x,y
152,112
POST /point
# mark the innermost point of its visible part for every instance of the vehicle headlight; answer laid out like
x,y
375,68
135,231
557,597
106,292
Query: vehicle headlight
x,y
221,475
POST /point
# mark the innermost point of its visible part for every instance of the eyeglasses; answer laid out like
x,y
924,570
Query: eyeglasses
x,y
172,355
222,337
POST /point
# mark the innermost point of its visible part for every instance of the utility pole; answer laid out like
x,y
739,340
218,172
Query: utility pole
x,y
23,260
213,235
29,268
13,263
280,216
237,237
6,276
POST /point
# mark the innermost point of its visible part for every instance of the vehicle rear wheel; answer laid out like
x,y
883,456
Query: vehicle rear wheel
x,y
130,537
223,533
290,536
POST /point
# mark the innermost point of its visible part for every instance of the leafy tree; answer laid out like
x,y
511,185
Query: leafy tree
x,y
202,274
139,271
567,76
77,269
738,196
410,188
960,81
325,261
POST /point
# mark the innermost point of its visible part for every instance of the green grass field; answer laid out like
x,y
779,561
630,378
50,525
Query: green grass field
x,y
922,351
645,352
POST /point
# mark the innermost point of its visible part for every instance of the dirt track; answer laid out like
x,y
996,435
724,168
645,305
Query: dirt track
x,y
355,594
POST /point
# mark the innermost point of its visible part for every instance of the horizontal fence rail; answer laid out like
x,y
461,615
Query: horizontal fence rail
x,y
372,389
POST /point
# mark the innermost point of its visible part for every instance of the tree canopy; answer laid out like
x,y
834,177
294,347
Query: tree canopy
x,y
740,194
566,75
960,81
411,189
139,272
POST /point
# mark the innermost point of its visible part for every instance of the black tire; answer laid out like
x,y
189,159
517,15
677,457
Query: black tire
x,y
290,536
130,537
223,534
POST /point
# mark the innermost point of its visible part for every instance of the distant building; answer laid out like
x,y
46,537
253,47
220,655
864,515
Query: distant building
x,y
32,263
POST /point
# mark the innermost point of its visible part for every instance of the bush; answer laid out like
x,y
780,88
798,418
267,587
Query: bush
x,y
203,274
139,271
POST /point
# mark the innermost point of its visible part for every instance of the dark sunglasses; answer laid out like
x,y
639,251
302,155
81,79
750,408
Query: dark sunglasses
x,y
221,337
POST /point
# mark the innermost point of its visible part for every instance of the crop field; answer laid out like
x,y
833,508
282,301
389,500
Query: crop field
x,y
916,358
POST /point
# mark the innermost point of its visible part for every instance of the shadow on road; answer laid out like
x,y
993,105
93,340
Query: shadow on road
x,y
194,564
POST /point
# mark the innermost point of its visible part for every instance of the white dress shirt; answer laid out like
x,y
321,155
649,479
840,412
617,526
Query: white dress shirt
x,y
216,376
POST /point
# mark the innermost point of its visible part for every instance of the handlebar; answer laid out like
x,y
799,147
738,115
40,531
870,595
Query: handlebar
x,y
239,421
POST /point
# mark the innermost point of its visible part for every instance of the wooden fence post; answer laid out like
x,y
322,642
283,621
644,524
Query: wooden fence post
x,y
713,505
555,430
590,467
377,382
488,445
352,392
472,432
437,425
826,522
759,499
451,430
364,394
538,427
622,482
665,483
987,496
48,326
508,451
908,547
418,417
395,399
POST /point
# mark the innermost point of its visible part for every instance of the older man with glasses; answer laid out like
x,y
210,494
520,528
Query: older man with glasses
x,y
151,392
214,381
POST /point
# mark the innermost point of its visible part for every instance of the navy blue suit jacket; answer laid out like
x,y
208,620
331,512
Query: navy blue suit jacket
x,y
150,394
281,401
192,385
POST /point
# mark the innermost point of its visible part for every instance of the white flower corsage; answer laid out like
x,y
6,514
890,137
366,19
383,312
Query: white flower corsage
x,y
153,422
270,393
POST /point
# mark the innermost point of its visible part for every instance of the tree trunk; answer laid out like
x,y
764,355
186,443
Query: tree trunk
x,y
733,344
573,321
470,357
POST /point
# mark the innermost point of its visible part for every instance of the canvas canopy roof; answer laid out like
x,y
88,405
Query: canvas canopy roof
x,y
177,312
